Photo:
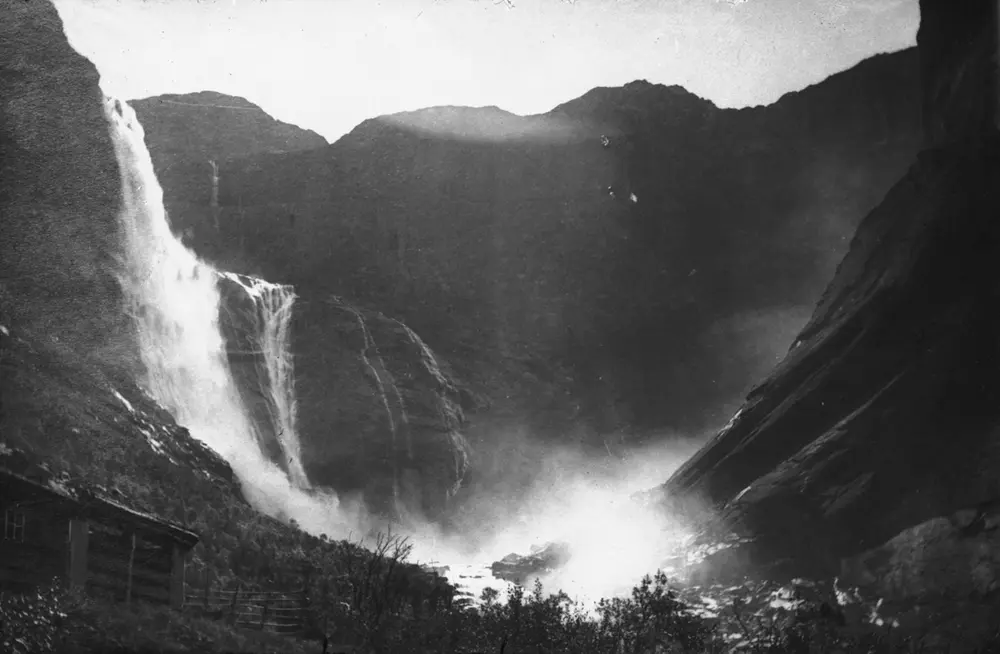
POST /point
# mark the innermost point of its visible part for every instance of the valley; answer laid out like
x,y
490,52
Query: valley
x,y
659,361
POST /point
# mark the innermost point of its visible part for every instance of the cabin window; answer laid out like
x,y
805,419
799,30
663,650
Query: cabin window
x,y
13,525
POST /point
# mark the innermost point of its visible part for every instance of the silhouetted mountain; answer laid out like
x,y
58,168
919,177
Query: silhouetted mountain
x,y
214,126
870,452
635,257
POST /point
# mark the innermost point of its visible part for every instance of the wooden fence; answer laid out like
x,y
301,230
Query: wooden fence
x,y
279,611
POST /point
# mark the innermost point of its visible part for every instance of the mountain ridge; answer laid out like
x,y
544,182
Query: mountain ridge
x,y
512,244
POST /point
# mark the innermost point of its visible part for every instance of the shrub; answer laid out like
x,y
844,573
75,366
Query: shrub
x,y
31,622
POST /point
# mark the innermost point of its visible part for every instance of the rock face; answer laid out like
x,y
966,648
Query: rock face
x,y
958,50
59,196
244,323
70,412
871,450
385,418
513,243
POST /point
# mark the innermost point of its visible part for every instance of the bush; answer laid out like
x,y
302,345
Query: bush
x,y
31,622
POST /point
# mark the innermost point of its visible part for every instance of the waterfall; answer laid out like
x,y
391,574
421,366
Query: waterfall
x,y
272,320
214,202
175,301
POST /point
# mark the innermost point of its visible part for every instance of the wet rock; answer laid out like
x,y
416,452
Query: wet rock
x,y
520,568
378,415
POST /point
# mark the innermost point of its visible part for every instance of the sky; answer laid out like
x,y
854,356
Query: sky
x,y
327,65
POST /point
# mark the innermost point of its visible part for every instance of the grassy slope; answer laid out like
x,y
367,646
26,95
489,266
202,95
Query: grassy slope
x,y
61,410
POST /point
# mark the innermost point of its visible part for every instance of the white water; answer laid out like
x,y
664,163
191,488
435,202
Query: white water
x,y
175,301
273,305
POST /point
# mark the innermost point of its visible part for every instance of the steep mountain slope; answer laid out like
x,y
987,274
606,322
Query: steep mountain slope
x,y
71,412
633,257
60,187
870,452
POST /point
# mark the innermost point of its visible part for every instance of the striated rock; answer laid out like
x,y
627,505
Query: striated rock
x,y
882,415
242,324
870,451
380,418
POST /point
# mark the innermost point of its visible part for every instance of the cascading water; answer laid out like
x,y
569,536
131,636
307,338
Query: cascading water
x,y
380,379
175,301
273,305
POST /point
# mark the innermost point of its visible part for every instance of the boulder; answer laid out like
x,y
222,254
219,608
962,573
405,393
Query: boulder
x,y
521,568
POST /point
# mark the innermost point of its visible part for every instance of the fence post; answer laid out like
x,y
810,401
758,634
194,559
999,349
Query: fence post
x,y
208,587
263,611
232,607
131,562
326,613
79,535
178,567
307,579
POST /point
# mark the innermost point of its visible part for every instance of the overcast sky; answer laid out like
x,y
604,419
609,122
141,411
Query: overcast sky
x,y
329,64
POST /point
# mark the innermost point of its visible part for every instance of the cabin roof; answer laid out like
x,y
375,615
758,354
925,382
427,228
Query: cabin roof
x,y
90,504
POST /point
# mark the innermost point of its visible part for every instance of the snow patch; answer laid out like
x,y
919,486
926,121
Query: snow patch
x,y
742,493
128,405
59,486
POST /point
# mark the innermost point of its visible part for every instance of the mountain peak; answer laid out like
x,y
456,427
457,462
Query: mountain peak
x,y
610,103
223,126
208,99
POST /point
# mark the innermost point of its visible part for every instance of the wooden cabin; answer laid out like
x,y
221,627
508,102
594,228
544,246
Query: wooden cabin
x,y
89,541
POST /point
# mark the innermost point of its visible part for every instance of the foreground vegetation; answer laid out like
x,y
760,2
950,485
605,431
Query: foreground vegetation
x,y
369,614
86,421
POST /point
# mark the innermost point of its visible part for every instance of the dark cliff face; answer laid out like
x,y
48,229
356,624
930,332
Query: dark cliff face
x,y
883,417
958,53
59,194
382,418
514,246
70,410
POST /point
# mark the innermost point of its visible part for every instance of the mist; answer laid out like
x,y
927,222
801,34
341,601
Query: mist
x,y
538,494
